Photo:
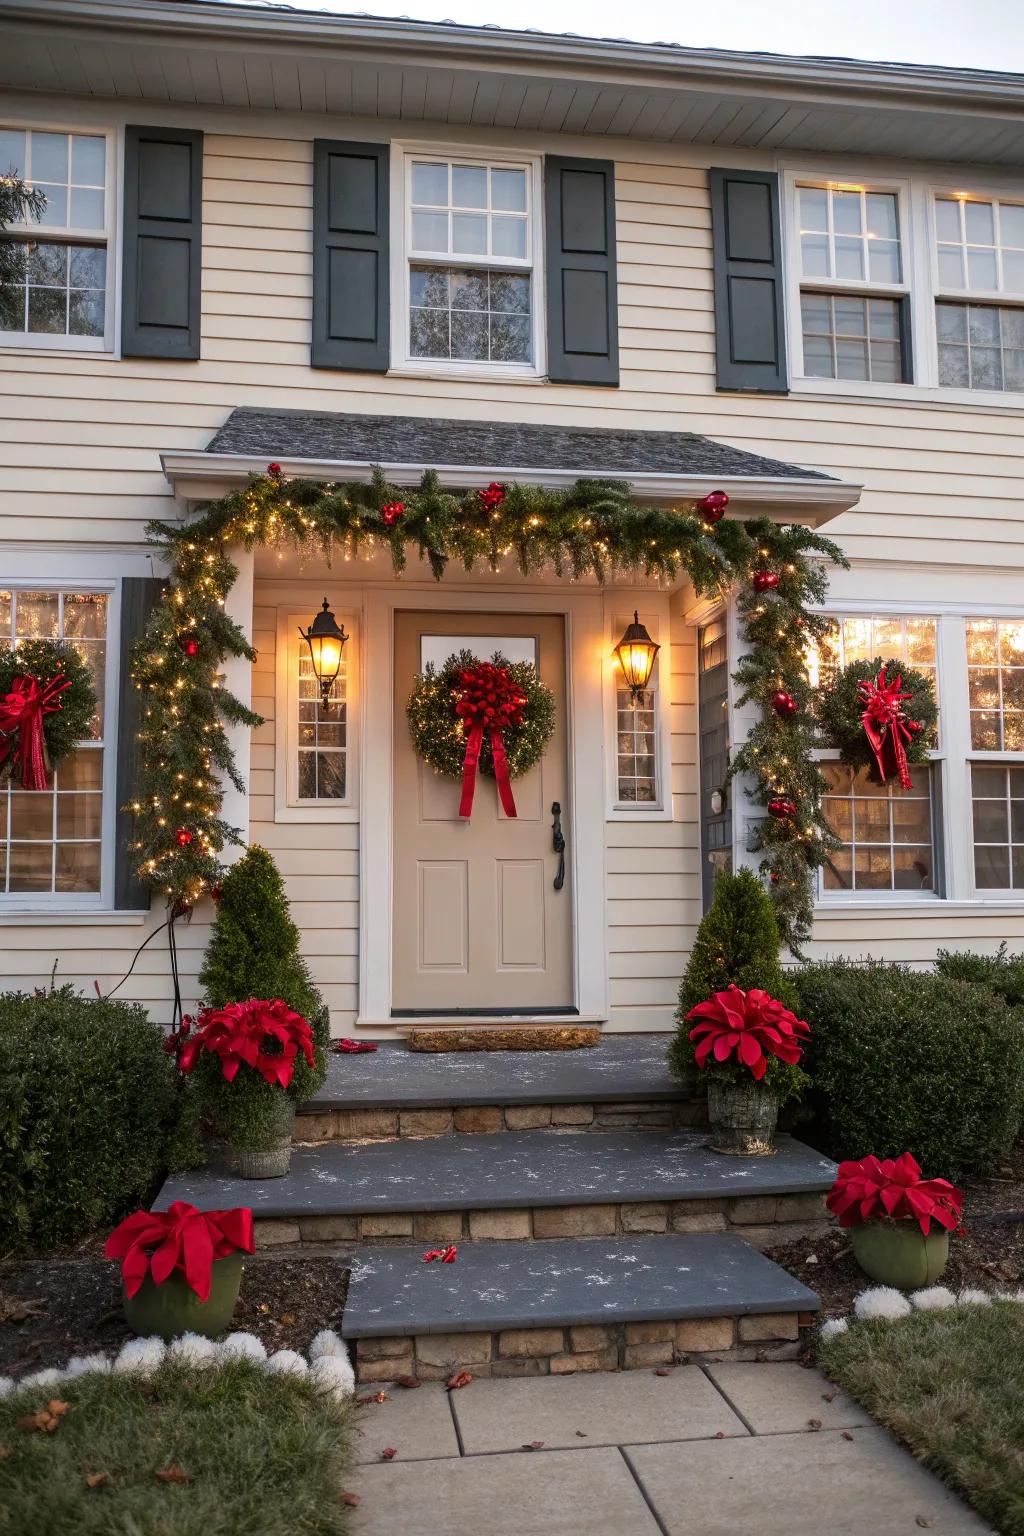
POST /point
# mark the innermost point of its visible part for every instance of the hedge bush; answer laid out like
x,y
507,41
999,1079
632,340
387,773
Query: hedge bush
x,y
1002,972
88,1111
905,1060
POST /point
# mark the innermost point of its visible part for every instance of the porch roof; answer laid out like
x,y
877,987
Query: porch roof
x,y
658,466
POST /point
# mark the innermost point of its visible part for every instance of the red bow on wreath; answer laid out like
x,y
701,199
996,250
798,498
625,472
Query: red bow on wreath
x,y
489,701
887,727
22,712
181,1238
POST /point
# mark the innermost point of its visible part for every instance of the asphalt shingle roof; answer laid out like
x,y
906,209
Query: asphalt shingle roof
x,y
601,451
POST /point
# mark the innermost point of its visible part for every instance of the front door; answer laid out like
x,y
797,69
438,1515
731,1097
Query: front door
x,y
479,927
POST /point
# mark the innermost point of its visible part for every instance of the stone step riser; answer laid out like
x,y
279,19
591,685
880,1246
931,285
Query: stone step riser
x,y
488,1119
571,1350
762,1220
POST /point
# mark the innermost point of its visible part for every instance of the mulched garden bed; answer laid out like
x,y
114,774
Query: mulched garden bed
x,y
987,1252
57,1307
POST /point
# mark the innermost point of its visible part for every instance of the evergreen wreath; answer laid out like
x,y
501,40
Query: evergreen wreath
x,y
439,734
45,660
840,708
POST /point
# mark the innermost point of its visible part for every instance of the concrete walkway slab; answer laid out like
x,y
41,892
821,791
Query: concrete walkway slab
x,y
418,1425
620,1067
633,1408
557,1493
797,1485
780,1399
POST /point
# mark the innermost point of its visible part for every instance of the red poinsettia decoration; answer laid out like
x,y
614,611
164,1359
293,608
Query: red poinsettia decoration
x,y
746,1027
871,1190
266,1036
181,1239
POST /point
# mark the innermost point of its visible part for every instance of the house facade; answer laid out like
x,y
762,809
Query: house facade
x,y
336,244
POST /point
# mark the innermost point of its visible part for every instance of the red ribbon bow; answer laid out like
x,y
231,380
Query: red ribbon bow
x,y
872,1189
22,712
488,701
446,1255
492,497
886,725
354,1047
181,1239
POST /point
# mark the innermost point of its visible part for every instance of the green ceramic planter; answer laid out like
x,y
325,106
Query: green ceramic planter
x,y
173,1308
898,1253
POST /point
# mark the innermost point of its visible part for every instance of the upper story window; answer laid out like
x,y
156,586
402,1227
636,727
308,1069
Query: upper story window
x,y
51,840
979,252
852,289
471,233
63,295
995,680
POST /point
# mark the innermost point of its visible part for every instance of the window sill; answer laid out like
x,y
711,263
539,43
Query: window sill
x,y
1012,905
486,375
87,346
861,392
78,917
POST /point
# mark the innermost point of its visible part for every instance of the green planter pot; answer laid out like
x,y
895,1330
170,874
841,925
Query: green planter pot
x,y
173,1308
898,1253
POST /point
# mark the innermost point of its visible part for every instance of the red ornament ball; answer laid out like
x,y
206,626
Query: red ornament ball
x,y
183,837
764,581
784,703
711,508
492,496
781,808
216,891
775,877
391,511
189,644
915,727
274,470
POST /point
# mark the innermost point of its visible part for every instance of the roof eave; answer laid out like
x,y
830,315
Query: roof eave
x,y
783,498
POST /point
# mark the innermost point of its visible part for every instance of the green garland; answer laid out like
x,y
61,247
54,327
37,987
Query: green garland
x,y
839,709
592,529
440,737
43,660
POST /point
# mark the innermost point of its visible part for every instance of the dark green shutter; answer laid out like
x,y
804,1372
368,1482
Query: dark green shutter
x,y
583,307
163,234
139,596
750,330
351,308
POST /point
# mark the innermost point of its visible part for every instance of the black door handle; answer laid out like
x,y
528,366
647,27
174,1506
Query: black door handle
x,y
558,843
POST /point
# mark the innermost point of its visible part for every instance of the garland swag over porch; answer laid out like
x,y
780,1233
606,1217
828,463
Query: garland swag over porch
x,y
592,529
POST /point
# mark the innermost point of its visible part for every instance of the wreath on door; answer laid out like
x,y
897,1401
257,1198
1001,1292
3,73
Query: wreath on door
x,y
47,702
879,715
493,717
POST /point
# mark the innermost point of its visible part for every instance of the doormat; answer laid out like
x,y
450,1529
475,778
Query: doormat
x,y
532,1038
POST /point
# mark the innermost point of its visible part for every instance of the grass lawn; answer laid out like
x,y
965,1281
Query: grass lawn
x,y
220,1452
950,1384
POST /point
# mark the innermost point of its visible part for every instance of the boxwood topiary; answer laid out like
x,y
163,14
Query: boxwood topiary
x,y
904,1060
88,1109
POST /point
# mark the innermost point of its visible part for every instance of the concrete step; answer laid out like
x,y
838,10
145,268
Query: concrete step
x,y
524,1185
623,1082
512,1309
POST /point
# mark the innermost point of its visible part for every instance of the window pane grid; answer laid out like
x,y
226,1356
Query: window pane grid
x,y
980,244
849,234
469,315
995,681
50,840
885,832
322,734
998,817
981,346
469,210
851,338
636,747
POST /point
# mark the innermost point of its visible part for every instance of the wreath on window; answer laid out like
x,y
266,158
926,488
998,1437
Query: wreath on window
x,y
879,715
494,717
47,703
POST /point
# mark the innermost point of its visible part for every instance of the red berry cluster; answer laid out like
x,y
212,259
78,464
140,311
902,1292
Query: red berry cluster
x,y
391,511
489,696
492,497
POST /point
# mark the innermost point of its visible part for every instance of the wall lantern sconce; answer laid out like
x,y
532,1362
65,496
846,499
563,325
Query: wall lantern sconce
x,y
718,802
326,641
636,652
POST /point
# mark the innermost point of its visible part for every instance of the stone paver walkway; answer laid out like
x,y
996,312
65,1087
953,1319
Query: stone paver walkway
x,y
716,1450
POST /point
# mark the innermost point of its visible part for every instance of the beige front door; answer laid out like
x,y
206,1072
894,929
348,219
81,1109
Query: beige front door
x,y
478,924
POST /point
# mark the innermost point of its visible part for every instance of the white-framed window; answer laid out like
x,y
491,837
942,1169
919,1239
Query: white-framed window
x,y
638,731
995,697
997,804
468,266
317,757
852,288
995,683
979,292
54,842
65,294
889,836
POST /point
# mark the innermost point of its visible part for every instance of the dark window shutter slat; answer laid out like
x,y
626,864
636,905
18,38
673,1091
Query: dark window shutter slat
x,y
750,331
139,596
163,237
351,304
582,297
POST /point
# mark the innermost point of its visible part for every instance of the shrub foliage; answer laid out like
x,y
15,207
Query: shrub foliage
x,y
1002,972
88,1107
903,1060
